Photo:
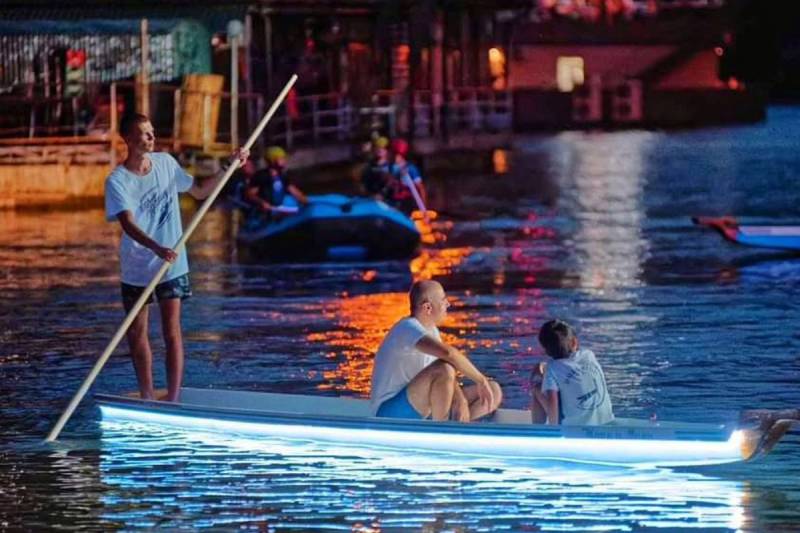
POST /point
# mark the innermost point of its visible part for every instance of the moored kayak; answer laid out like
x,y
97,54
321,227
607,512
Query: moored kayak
x,y
509,434
777,237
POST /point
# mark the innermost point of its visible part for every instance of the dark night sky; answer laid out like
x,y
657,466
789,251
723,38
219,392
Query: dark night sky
x,y
767,44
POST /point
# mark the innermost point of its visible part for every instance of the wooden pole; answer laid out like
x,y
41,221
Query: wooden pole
x,y
235,91
53,435
144,72
112,128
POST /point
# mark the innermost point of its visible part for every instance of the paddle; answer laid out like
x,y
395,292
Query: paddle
x,y
408,182
53,435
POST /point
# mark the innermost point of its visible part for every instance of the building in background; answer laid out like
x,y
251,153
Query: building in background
x,y
624,63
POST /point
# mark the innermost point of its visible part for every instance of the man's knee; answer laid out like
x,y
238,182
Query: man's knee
x,y
444,372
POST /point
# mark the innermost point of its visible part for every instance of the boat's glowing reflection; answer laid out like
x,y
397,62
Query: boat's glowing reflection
x,y
152,474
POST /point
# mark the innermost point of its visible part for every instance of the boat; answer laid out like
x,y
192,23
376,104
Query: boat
x,y
776,237
334,227
508,434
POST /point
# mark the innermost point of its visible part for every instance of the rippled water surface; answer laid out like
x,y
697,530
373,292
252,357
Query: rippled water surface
x,y
591,227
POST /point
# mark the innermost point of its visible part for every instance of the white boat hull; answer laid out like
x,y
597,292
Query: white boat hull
x,y
509,435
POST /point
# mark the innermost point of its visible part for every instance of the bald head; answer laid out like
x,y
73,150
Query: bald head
x,y
425,291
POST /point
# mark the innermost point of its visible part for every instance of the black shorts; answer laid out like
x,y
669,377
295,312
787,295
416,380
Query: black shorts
x,y
175,288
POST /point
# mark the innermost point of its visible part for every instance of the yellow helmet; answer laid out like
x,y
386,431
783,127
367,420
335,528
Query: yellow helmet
x,y
381,142
274,154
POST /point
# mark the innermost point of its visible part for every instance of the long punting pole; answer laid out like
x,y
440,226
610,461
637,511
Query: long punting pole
x,y
53,435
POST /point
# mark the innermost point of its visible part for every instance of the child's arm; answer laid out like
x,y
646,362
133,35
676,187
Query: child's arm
x,y
551,406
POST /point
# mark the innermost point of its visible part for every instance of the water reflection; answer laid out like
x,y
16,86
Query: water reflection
x,y
153,477
602,179
44,249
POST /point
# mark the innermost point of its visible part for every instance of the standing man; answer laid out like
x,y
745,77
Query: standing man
x,y
142,194
414,375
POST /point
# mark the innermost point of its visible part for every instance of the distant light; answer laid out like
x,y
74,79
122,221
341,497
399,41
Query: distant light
x,y
569,73
719,51
735,84
500,161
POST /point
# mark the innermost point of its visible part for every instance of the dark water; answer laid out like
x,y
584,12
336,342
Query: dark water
x,y
592,227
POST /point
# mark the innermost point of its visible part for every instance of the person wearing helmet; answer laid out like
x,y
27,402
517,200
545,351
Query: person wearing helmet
x,y
270,192
377,174
405,173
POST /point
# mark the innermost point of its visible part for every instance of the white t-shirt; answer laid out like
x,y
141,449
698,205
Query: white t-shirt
x,y
582,384
398,360
153,200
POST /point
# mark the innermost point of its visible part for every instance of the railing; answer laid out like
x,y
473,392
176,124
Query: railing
x,y
47,150
471,109
303,121
312,119
40,116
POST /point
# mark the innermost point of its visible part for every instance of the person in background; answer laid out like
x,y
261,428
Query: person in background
x,y
405,174
238,184
378,174
142,194
270,192
572,389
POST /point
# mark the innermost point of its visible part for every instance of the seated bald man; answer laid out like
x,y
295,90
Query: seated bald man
x,y
414,375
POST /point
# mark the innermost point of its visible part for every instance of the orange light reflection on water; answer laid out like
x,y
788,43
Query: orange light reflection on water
x,y
45,249
361,322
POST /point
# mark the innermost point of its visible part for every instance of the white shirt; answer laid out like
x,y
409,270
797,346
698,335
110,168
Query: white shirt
x,y
398,360
153,200
584,399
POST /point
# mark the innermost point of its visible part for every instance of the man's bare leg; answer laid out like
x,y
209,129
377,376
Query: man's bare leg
x,y
173,339
141,354
479,409
431,391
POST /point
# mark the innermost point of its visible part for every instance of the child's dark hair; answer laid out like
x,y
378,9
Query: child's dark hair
x,y
128,122
557,338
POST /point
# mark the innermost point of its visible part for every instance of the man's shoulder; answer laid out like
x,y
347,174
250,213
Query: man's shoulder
x,y
163,159
407,325
117,175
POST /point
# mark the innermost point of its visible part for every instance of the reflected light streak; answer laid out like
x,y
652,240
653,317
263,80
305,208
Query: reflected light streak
x,y
222,480
606,181
43,249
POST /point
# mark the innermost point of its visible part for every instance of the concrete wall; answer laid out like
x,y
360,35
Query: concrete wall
x,y
48,184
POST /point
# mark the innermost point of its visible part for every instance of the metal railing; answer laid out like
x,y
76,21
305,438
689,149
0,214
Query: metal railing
x,y
313,119
470,109
303,121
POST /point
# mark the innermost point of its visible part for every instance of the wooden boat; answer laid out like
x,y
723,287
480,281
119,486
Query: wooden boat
x,y
334,227
509,434
777,237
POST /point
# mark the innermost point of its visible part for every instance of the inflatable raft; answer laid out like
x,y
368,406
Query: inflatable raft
x,y
777,237
334,227
509,434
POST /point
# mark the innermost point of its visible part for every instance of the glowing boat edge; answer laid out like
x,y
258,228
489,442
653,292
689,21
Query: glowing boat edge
x,y
509,434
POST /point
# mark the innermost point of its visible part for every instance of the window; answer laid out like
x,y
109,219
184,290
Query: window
x,y
569,73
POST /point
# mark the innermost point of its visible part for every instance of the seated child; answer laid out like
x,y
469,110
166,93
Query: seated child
x,y
572,389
